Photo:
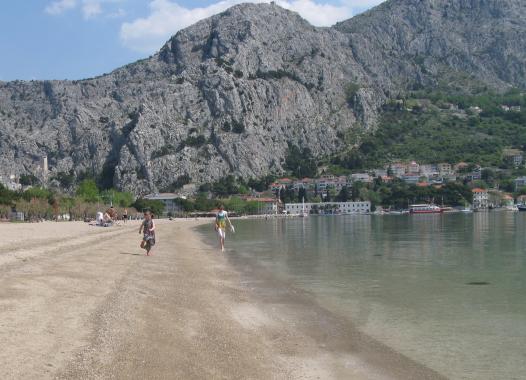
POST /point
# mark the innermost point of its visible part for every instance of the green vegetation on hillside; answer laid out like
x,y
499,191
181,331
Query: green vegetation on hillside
x,y
435,127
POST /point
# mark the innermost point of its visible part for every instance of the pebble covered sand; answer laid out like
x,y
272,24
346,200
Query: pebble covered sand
x,y
78,301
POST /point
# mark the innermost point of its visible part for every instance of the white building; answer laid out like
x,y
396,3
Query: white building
x,y
171,207
336,207
480,199
429,170
520,182
361,177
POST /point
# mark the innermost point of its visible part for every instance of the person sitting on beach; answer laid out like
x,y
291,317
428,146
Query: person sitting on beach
x,y
220,226
108,221
148,230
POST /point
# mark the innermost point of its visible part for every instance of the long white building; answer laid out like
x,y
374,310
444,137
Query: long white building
x,y
329,208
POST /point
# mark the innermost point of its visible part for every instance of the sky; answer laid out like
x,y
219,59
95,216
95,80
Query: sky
x,y
77,39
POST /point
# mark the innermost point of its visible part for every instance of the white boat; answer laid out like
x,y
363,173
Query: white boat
x,y
425,209
511,208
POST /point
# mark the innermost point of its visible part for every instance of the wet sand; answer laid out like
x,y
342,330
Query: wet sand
x,y
81,302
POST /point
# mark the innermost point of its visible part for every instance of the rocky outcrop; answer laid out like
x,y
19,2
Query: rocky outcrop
x,y
228,94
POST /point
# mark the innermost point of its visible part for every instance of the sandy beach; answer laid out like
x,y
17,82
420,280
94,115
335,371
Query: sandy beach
x,y
82,302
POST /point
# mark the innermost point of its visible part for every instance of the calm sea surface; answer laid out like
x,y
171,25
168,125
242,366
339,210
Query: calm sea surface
x,y
448,291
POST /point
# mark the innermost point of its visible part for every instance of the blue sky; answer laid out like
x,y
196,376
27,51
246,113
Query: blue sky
x,y
75,39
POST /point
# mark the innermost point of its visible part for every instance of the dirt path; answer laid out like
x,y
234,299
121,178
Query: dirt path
x,y
92,306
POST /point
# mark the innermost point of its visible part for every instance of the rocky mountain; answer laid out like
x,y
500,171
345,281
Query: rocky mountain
x,y
232,92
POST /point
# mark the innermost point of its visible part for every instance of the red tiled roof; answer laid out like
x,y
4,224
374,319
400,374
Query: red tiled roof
x,y
478,190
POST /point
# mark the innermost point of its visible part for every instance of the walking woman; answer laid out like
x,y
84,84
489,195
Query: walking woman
x,y
220,226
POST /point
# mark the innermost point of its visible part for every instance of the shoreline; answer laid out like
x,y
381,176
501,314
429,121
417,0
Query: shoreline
x,y
84,303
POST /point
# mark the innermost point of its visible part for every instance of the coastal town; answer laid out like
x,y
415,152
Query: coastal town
x,y
487,188
438,187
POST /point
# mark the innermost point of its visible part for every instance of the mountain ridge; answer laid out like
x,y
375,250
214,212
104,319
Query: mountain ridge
x,y
230,93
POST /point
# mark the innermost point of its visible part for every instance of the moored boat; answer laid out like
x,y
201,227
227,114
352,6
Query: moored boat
x,y
425,209
521,207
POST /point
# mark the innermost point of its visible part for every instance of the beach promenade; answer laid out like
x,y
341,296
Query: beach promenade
x,y
81,302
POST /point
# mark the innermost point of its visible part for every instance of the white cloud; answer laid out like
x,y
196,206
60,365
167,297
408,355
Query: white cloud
x,y
91,8
60,6
119,13
166,17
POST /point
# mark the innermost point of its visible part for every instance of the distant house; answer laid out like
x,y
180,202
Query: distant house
x,y
429,170
461,166
473,176
520,182
445,169
398,169
380,172
171,207
305,183
513,156
413,168
411,179
480,199
361,177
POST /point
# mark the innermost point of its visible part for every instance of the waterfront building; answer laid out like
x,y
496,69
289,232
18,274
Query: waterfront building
x,y
339,208
171,206
480,198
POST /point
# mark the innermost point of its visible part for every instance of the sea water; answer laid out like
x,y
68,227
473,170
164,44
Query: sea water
x,y
448,291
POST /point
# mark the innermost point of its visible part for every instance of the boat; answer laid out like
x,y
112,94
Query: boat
x,y
521,207
425,209
511,208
